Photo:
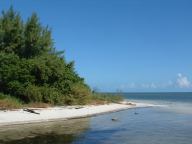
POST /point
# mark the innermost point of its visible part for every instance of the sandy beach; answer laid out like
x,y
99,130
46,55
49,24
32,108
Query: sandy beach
x,y
66,112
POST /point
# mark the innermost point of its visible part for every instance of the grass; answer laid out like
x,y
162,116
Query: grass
x,y
103,98
8,102
37,105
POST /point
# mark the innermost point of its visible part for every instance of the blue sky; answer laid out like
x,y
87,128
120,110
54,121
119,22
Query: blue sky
x,y
127,45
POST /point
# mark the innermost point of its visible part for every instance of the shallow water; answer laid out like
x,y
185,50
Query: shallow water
x,y
44,133
169,124
149,126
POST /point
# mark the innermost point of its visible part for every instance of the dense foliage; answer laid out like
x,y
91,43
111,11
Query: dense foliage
x,y
31,69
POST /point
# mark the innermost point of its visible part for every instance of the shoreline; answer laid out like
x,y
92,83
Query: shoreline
x,y
18,117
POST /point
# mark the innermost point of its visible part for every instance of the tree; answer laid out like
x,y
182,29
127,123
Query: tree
x,y
37,38
30,67
26,40
11,32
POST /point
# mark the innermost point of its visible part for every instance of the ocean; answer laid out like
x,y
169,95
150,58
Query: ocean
x,y
168,123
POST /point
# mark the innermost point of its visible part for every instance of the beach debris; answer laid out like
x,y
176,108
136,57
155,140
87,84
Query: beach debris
x,y
136,113
78,107
3,109
127,103
114,119
30,111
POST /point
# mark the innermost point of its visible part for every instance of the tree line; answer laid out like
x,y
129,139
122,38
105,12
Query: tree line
x,y
31,69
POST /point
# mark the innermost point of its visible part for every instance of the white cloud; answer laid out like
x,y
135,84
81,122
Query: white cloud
x,y
132,85
128,86
153,85
140,86
183,81
149,85
144,85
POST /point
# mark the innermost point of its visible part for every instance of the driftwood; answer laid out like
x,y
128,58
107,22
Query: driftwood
x,y
136,113
114,119
3,109
78,107
30,111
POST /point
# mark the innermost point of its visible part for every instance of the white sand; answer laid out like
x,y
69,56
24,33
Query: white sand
x,y
49,114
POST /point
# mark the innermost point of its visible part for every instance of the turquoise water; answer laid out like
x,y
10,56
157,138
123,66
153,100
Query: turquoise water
x,y
171,123
175,102
168,97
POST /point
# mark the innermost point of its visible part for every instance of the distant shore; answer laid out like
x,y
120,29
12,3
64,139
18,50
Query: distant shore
x,y
22,116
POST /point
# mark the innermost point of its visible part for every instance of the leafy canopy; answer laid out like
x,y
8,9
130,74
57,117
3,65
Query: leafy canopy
x,y
30,67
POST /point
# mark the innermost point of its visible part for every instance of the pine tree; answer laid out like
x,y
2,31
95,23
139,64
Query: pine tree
x,y
11,32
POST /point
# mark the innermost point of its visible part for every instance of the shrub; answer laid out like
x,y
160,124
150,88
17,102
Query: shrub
x,y
51,95
33,94
100,98
80,94
43,94
8,102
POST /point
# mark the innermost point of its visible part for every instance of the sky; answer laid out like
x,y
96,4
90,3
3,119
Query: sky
x,y
121,45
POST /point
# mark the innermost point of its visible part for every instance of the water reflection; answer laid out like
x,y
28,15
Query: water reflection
x,y
44,133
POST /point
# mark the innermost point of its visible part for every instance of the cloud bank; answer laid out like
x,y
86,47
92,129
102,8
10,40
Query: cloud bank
x,y
181,82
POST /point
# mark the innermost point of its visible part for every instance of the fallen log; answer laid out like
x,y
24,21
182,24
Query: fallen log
x,y
30,111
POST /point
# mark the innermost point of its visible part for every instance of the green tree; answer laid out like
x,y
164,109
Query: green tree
x,y
28,39
11,32
30,67
37,38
